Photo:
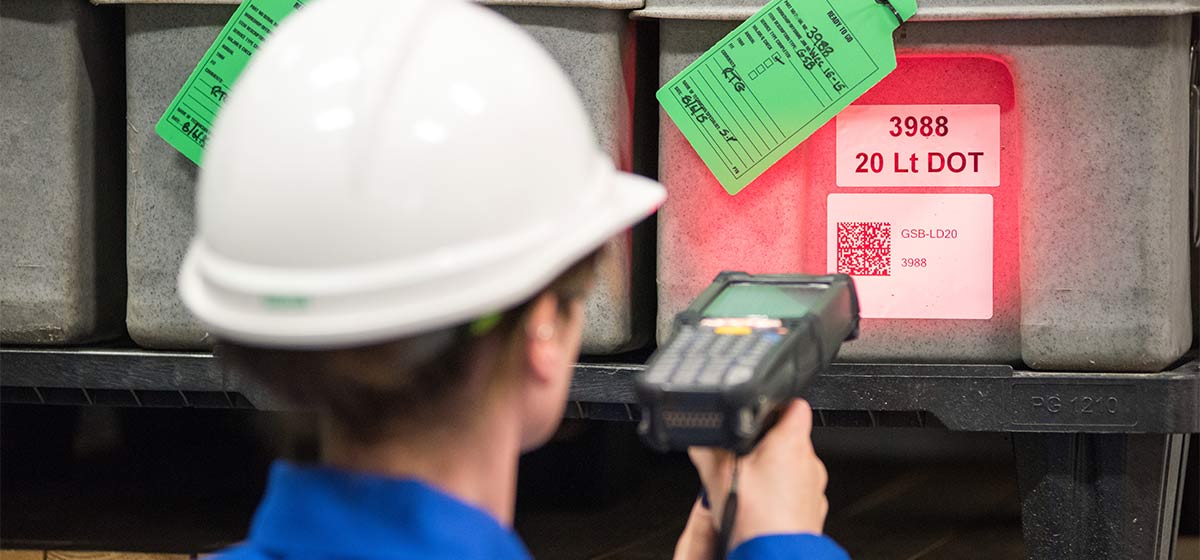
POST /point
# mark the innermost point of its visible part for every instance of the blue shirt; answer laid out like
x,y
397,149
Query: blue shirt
x,y
320,512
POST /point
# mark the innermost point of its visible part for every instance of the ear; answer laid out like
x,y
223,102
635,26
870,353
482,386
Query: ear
x,y
545,340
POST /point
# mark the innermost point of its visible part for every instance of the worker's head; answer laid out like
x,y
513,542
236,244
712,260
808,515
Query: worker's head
x,y
377,190
440,382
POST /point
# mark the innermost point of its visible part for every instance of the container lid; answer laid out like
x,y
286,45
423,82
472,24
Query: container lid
x,y
942,10
604,4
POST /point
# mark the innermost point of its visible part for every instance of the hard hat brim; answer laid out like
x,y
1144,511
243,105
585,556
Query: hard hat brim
x,y
231,309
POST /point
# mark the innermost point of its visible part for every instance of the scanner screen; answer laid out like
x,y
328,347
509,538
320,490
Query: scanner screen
x,y
747,299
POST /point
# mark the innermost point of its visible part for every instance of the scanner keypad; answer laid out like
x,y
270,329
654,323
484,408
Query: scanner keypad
x,y
699,355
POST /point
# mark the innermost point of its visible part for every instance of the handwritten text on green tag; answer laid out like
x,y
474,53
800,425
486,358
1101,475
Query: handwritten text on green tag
x,y
190,115
778,77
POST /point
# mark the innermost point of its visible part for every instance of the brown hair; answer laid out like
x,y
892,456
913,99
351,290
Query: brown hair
x,y
370,392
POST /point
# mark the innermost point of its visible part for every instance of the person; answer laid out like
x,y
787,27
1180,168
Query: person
x,y
398,218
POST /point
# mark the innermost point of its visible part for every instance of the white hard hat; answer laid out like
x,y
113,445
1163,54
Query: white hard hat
x,y
384,168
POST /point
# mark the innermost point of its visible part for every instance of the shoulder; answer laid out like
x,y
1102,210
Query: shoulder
x,y
791,546
239,552
496,552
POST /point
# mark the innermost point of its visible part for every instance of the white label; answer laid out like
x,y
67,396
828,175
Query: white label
x,y
914,256
918,146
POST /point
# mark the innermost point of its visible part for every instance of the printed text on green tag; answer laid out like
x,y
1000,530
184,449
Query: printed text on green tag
x,y
190,115
778,77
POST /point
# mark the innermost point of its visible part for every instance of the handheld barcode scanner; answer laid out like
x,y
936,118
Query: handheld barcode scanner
x,y
746,347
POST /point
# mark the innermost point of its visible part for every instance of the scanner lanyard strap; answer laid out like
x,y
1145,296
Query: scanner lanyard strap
x,y
728,514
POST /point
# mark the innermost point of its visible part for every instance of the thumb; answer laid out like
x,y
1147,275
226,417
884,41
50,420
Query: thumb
x,y
795,425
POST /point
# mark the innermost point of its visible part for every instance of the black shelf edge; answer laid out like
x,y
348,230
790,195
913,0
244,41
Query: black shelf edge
x,y
963,397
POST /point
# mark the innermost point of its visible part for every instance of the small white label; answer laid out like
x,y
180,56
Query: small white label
x,y
918,146
914,256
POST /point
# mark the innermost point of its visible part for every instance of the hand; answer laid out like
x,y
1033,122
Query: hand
x,y
699,538
781,483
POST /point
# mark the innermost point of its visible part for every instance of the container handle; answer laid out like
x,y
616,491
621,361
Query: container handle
x,y
1194,175
1194,171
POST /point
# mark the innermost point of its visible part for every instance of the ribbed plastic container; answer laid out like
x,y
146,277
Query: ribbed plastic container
x,y
1083,221
592,40
61,270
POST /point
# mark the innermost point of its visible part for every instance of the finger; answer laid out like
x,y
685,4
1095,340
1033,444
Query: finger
x,y
705,461
704,458
701,515
715,467
699,535
688,547
712,464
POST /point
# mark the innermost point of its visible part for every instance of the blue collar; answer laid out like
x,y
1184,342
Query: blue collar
x,y
319,511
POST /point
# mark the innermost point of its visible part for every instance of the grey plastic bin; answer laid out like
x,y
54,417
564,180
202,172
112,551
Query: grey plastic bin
x,y
163,44
592,40
1096,142
61,270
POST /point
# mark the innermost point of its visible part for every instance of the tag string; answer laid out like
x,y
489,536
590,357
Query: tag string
x,y
888,3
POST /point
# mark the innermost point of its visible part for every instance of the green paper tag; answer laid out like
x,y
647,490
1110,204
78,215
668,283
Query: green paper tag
x,y
190,115
778,77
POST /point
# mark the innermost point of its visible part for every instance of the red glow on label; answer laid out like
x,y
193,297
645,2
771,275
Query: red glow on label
x,y
940,105
781,223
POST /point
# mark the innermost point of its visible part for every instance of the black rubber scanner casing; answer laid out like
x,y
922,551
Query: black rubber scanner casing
x,y
736,416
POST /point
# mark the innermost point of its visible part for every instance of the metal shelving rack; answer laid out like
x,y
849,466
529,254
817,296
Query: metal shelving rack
x,y
1100,456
